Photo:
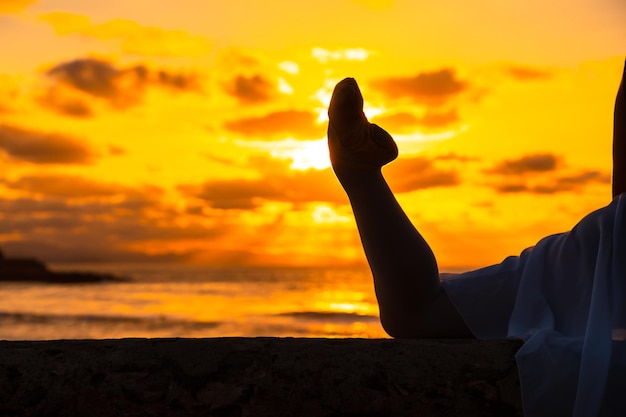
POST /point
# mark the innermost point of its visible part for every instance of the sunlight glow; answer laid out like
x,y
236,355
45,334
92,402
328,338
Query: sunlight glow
x,y
304,154
325,214
289,67
284,87
355,54
371,111
416,142
311,154
349,307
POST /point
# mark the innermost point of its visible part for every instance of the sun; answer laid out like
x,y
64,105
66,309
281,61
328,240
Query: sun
x,y
304,154
311,154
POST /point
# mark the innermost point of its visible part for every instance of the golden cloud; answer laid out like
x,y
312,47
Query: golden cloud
x,y
53,229
416,173
134,38
430,88
404,122
278,125
291,187
524,73
66,186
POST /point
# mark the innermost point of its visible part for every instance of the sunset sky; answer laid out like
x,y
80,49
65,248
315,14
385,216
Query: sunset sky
x,y
194,131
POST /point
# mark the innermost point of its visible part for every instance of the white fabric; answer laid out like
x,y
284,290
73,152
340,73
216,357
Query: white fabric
x,y
566,298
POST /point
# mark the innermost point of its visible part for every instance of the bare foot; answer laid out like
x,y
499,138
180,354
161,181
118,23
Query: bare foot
x,y
356,145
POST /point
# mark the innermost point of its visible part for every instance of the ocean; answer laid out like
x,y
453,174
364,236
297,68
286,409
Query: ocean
x,y
189,301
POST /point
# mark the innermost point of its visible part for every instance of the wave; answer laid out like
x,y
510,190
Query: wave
x,y
8,318
330,316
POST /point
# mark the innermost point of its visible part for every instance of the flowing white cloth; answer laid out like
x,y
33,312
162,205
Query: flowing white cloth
x,y
566,298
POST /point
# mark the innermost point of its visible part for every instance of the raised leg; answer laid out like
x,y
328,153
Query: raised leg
x,y
619,140
406,279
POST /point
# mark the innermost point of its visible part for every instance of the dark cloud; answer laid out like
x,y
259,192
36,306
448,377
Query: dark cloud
x,y
455,157
526,164
55,100
120,87
538,174
94,77
567,183
277,125
182,82
408,122
410,174
43,148
293,187
253,89
434,88
584,177
527,73
511,188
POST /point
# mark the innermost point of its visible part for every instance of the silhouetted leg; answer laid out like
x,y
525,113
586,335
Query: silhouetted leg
x,y
406,279
619,140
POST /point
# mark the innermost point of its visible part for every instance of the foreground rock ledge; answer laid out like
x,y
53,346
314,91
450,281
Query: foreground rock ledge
x,y
259,377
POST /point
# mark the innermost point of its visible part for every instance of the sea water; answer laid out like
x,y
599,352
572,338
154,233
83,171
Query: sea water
x,y
186,301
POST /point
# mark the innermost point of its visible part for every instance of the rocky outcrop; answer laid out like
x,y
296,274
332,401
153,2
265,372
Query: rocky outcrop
x,y
259,377
26,269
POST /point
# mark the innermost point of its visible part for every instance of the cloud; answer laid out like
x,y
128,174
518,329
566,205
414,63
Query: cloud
x,y
84,248
278,125
546,181
120,87
432,88
527,164
291,187
404,122
253,89
66,186
120,229
584,177
13,6
568,183
410,174
56,99
454,157
538,174
43,148
523,73
134,38
116,150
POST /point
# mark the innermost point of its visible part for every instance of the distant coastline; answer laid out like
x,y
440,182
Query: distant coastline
x,y
34,270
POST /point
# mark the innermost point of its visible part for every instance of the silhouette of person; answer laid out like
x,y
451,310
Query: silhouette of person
x,y
565,297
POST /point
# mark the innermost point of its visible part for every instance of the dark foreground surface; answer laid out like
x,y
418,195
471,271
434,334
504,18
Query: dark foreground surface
x,y
259,377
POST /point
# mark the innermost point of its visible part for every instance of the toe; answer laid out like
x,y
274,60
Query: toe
x,y
345,111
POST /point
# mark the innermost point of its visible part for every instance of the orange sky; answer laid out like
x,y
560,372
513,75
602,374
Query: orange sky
x,y
194,131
